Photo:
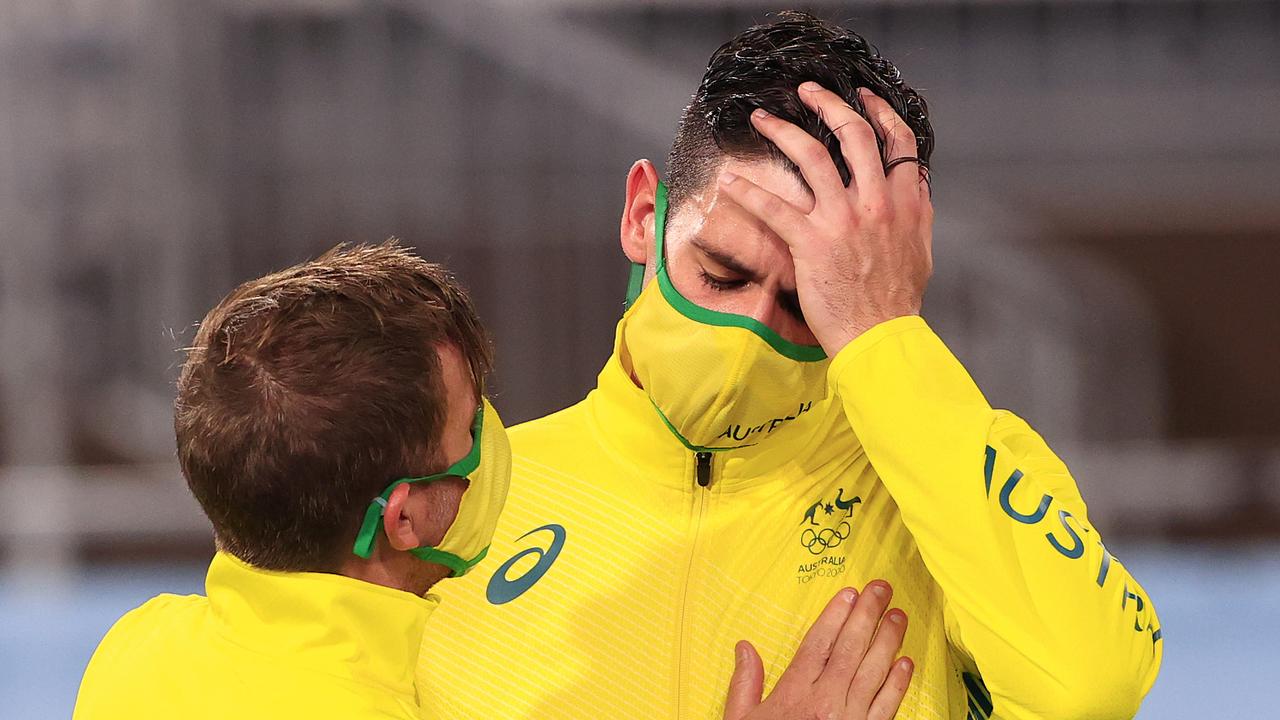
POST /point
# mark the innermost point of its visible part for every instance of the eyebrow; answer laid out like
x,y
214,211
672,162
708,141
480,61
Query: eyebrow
x,y
730,263
788,300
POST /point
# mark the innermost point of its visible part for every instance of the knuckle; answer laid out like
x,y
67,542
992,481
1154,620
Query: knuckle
x,y
877,209
866,265
900,130
822,707
814,153
864,687
842,216
848,656
840,662
855,130
773,204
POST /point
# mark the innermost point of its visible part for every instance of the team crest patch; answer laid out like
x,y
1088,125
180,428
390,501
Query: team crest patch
x,y
824,528
828,524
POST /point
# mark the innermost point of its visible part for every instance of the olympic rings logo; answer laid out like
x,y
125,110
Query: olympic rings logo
x,y
820,541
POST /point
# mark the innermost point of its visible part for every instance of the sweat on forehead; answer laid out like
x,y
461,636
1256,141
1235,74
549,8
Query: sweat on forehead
x,y
784,179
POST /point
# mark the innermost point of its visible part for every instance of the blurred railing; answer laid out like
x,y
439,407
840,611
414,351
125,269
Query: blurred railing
x,y
154,154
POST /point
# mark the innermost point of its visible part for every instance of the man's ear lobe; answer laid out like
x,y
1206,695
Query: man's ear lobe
x,y
402,532
638,218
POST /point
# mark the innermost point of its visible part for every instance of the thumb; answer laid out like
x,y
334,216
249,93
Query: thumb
x,y
747,684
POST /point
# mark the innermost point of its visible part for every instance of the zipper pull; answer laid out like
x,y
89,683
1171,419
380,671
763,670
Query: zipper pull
x,y
703,470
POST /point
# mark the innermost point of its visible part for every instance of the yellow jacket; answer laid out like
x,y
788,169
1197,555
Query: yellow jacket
x,y
261,645
633,565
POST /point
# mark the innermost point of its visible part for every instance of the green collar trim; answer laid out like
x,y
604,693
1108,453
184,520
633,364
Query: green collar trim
x,y
373,514
697,313
686,443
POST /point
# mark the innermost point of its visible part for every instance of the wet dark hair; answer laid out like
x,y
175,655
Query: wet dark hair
x,y
762,67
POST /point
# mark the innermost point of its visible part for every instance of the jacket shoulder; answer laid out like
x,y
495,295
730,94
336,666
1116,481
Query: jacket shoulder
x,y
550,434
141,646
156,619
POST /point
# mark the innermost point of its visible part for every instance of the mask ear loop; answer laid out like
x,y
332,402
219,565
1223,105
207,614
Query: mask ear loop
x,y
369,527
635,283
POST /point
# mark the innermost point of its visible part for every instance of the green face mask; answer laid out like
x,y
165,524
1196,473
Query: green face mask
x,y
487,469
719,381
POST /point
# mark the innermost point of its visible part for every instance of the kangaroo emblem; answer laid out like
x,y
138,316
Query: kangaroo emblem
x,y
810,515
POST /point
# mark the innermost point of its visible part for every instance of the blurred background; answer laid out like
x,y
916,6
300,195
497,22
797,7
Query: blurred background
x,y
1107,251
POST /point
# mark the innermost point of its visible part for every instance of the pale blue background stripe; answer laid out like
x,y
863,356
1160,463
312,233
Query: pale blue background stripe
x,y
1218,606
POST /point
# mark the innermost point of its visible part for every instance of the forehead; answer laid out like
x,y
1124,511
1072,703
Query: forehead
x,y
715,222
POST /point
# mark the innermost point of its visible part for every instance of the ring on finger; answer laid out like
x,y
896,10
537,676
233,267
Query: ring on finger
x,y
898,161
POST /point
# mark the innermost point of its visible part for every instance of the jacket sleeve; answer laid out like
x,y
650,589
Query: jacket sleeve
x,y
1055,624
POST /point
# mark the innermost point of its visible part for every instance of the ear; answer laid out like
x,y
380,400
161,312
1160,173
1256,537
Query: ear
x,y
638,219
405,519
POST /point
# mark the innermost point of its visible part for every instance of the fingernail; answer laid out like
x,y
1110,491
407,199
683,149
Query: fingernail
x,y
905,663
810,86
760,114
727,177
896,616
848,595
880,590
740,653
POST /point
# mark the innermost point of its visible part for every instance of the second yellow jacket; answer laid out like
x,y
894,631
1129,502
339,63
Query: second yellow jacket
x,y
264,645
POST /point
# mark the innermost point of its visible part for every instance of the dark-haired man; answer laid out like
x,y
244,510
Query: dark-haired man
x,y
777,420
330,422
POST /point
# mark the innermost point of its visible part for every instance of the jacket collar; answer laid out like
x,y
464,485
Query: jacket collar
x,y
627,424
330,623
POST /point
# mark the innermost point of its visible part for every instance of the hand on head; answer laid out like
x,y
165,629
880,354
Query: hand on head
x,y
863,253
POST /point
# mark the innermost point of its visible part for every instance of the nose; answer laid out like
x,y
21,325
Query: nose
x,y
769,311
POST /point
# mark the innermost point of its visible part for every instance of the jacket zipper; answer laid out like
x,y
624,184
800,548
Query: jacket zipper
x,y
702,472
702,479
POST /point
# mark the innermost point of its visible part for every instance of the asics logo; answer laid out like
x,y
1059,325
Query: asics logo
x,y
502,589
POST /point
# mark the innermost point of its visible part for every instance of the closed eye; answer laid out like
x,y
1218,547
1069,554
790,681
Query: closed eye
x,y
720,284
